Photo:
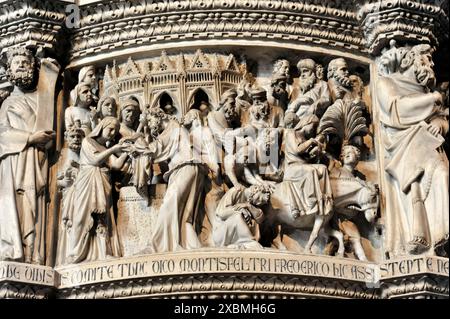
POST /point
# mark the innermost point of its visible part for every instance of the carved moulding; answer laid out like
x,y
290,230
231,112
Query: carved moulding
x,y
225,274
114,26
31,23
25,281
268,274
403,20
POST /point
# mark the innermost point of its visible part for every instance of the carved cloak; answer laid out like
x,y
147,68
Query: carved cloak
x,y
23,180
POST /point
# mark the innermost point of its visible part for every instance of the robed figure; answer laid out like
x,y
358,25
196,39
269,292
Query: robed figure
x,y
23,158
413,126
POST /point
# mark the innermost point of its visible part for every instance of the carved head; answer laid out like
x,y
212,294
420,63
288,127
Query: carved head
x,y
129,112
228,106
420,58
87,75
193,119
308,125
338,70
106,130
350,155
282,67
107,106
310,73
290,120
259,195
83,95
21,68
74,137
279,86
261,107
155,118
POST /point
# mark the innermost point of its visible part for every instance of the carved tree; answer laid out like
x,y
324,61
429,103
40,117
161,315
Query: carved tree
x,y
344,119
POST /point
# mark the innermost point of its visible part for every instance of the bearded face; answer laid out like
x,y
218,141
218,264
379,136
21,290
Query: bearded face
x,y
261,110
279,89
229,111
21,72
342,75
154,124
307,79
423,69
74,139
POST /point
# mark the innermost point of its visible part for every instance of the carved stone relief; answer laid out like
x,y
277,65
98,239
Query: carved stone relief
x,y
308,152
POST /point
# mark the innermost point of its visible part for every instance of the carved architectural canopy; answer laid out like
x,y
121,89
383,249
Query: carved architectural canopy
x,y
224,149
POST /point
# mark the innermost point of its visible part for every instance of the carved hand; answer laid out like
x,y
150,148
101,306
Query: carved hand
x,y
120,148
41,138
435,129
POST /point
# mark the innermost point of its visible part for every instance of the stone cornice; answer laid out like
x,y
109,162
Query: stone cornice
x,y
212,273
32,23
405,21
111,25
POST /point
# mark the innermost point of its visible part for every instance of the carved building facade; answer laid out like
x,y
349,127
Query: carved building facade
x,y
224,148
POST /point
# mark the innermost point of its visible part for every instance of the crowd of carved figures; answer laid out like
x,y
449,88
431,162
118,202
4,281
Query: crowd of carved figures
x,y
240,174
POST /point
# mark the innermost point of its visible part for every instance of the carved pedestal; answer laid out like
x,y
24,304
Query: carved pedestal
x,y
136,218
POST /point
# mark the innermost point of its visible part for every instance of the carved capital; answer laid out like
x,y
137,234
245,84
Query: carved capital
x,y
404,21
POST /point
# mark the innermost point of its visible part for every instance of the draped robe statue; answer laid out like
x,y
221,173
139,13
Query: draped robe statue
x,y
413,123
23,159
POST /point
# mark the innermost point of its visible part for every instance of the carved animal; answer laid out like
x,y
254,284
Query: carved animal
x,y
351,197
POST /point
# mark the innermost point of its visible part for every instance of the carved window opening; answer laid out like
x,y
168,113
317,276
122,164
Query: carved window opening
x,y
200,100
167,105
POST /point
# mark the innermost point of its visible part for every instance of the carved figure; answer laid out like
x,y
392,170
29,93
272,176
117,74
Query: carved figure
x,y
414,123
80,111
25,136
304,199
339,81
314,97
68,173
129,117
239,214
107,106
352,196
88,224
175,229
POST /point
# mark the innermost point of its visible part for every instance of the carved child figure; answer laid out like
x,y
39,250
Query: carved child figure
x,y
347,184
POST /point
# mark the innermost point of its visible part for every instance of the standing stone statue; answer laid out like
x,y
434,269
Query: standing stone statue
x,y
88,224
26,120
239,214
314,95
413,125
176,225
339,81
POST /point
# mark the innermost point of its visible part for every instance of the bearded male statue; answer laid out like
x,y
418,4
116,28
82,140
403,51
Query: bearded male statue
x,y
26,123
413,125
339,80
314,97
